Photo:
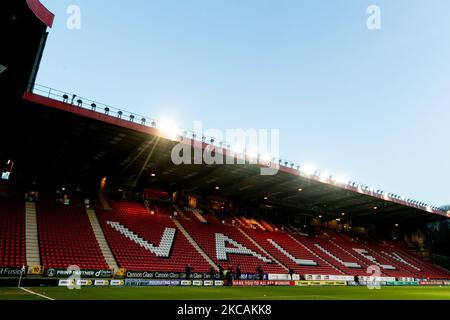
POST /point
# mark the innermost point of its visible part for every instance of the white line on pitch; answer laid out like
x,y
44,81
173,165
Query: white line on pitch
x,y
38,294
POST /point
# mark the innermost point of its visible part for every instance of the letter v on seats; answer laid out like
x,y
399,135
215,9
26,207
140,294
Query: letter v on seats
x,y
162,251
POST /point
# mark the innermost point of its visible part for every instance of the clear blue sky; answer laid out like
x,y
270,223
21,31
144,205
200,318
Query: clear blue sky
x,y
371,105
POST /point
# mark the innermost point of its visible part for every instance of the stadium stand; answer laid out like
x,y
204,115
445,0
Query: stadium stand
x,y
267,225
342,260
370,257
12,233
416,266
227,246
291,254
75,143
66,237
144,242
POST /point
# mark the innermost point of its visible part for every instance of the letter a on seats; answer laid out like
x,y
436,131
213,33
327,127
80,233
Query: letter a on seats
x,y
301,262
222,251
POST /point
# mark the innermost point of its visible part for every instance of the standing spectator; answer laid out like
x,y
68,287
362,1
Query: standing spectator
x,y
230,277
221,272
238,272
291,273
188,271
212,273
225,277
260,272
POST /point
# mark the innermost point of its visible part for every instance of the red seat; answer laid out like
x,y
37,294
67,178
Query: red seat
x,y
12,233
66,237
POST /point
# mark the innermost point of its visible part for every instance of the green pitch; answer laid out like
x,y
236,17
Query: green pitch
x,y
225,293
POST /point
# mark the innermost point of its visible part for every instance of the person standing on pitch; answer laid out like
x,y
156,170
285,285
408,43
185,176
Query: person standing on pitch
x,y
188,271
212,273
221,272
238,272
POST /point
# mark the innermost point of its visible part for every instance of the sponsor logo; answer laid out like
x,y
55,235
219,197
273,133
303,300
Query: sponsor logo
x,y
257,283
10,272
320,283
101,282
64,273
117,282
165,275
151,283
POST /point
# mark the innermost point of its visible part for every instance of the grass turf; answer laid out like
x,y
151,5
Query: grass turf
x,y
225,293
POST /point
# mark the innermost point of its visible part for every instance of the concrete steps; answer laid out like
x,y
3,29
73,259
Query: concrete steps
x,y
31,235
103,244
103,201
180,212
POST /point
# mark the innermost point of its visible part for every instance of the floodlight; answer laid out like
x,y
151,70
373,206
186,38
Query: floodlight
x,y
308,169
325,176
238,148
169,128
266,157
252,153
341,179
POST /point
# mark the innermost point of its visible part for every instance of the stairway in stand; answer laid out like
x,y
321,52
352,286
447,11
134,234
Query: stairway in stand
x,y
31,235
100,236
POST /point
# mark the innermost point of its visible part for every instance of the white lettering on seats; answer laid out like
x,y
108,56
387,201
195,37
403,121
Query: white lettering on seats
x,y
162,251
397,257
301,262
346,264
366,255
222,251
